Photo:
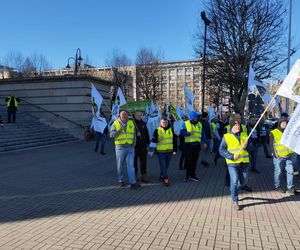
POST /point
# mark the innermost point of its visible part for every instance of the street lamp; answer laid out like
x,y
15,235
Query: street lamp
x,y
78,59
206,23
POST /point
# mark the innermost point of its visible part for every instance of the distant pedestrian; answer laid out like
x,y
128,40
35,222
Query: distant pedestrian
x,y
207,128
255,142
263,136
101,137
123,131
12,104
166,146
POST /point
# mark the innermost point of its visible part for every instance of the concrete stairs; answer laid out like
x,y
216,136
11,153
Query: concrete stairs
x,y
28,132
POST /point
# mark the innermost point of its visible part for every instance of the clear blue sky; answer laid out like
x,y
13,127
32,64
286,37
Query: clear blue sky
x,y
56,28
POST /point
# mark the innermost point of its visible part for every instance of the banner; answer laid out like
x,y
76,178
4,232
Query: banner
x,y
291,134
96,101
290,87
152,124
99,124
121,97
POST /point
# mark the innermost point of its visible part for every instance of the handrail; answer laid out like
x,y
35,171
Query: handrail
x,y
55,114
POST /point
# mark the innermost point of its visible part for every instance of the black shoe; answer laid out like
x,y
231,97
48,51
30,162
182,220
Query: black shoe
x,y
246,188
205,164
269,156
102,153
123,184
135,186
254,170
280,190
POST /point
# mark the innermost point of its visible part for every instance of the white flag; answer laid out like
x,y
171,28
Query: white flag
x,y
291,134
177,125
99,124
189,98
252,83
290,87
96,101
152,108
122,99
178,112
267,99
211,113
152,124
147,111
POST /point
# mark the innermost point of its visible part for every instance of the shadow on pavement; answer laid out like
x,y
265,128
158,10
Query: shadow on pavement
x,y
72,178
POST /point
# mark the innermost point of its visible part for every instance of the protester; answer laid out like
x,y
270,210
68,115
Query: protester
x,y
233,148
12,104
263,136
101,135
220,130
206,127
123,131
282,156
166,145
255,142
142,142
193,135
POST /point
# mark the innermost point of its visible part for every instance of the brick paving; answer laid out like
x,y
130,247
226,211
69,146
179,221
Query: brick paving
x,y
66,197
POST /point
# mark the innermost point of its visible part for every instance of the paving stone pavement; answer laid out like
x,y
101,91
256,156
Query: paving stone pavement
x,y
66,197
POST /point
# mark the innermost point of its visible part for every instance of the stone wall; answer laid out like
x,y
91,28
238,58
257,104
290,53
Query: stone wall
x,y
59,101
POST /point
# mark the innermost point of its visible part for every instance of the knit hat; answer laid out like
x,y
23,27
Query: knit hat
x,y
193,114
233,122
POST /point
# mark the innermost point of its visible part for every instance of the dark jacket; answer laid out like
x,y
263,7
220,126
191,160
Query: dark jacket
x,y
155,137
206,128
255,137
143,140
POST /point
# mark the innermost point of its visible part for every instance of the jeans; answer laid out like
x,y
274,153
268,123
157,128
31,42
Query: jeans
x,y
238,176
278,164
164,162
124,157
100,138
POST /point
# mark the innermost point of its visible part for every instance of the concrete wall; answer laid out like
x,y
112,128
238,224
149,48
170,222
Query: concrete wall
x,y
65,96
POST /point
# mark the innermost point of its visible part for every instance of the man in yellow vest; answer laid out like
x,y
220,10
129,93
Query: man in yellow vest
x,y
233,148
282,156
193,136
123,131
12,104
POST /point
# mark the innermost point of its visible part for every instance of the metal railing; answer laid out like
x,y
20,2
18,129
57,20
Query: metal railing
x,y
53,113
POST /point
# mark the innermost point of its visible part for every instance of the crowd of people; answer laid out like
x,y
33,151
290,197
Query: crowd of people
x,y
225,137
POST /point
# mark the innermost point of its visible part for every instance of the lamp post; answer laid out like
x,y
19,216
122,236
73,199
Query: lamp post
x,y
78,59
206,23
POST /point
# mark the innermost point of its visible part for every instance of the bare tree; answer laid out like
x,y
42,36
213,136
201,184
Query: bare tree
x,y
148,75
119,63
242,32
28,66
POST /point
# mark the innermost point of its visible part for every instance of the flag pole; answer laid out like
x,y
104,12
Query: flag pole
x,y
261,116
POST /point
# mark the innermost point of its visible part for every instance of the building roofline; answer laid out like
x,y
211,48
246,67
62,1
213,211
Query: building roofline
x,y
53,78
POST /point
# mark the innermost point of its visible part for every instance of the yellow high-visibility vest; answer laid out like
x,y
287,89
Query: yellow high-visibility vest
x,y
166,144
194,130
281,150
127,137
9,100
234,146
